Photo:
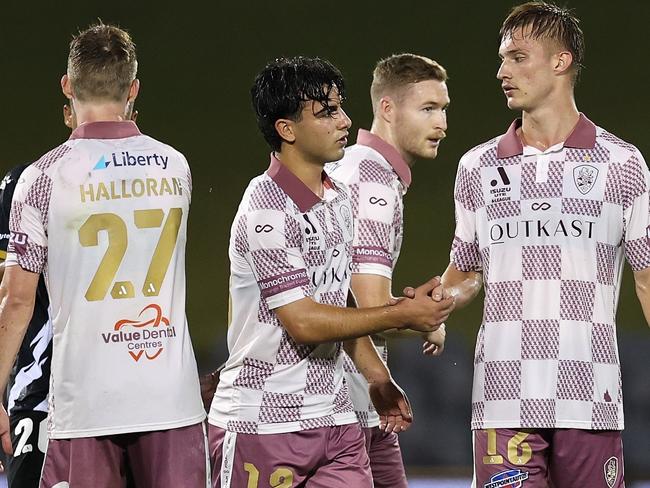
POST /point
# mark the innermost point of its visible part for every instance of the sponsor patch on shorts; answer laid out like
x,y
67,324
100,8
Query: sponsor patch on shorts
x,y
513,478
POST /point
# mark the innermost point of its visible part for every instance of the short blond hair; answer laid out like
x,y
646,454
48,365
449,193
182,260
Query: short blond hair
x,y
102,63
400,70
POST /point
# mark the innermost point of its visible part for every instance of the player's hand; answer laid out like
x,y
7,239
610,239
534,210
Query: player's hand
x,y
434,342
392,405
5,432
422,313
209,384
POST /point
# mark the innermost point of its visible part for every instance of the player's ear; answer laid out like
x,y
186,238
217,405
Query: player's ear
x,y
134,90
68,117
285,129
563,62
66,86
386,109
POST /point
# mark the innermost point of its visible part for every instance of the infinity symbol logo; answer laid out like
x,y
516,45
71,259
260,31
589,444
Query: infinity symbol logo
x,y
378,201
540,206
266,228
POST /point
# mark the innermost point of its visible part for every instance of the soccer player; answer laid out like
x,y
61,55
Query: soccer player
x,y
282,413
27,403
104,217
546,213
409,99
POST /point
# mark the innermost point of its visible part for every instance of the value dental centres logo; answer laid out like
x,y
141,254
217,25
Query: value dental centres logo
x,y
144,337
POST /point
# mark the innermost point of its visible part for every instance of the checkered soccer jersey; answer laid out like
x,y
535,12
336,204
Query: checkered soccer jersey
x,y
377,177
286,244
549,230
104,217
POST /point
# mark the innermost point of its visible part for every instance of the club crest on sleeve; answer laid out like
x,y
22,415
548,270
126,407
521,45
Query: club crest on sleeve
x,y
610,470
584,176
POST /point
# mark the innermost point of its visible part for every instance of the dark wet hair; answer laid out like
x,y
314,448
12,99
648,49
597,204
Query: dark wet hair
x,y
283,87
548,21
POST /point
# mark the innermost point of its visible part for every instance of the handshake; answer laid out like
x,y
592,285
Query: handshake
x,y
426,308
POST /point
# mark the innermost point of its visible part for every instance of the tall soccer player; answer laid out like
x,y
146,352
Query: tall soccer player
x,y
409,99
546,213
104,217
281,414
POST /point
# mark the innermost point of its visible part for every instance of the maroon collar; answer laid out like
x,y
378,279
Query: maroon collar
x,y
300,193
583,136
390,154
106,130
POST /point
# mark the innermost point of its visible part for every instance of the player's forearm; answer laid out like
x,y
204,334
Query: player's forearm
x,y
366,358
642,282
326,323
15,313
463,285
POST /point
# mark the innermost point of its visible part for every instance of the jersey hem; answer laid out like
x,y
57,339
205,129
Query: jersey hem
x,y
286,428
564,424
74,434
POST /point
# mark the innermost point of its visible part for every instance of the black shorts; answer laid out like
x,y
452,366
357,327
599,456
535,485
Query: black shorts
x,y
29,441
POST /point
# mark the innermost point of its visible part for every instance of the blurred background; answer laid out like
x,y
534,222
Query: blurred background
x,y
197,62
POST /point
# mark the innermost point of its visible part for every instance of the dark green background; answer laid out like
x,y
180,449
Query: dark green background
x,y
197,61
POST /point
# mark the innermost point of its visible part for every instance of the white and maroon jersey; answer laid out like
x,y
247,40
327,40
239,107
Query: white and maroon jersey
x,y
286,244
549,231
104,217
377,177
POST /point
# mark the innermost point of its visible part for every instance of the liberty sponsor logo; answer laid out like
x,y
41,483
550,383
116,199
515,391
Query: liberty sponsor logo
x,y
135,188
144,336
266,228
18,242
378,201
125,159
513,478
584,176
610,469
540,206
539,229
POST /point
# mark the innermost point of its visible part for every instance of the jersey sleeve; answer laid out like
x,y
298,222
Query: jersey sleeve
x,y
272,243
465,253
377,205
636,212
28,236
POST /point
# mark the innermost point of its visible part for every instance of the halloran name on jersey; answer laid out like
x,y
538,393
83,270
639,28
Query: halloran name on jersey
x,y
135,188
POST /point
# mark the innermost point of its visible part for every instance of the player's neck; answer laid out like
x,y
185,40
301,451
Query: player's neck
x,y
550,124
383,130
309,172
105,112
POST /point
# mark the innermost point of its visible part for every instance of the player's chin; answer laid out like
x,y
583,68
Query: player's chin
x,y
514,104
335,154
427,151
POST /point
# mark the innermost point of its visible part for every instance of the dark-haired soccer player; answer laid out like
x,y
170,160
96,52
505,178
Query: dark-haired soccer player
x,y
409,100
282,413
546,213
103,216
